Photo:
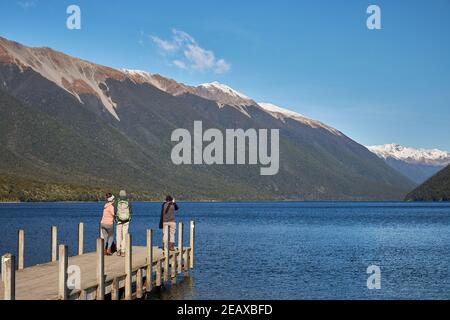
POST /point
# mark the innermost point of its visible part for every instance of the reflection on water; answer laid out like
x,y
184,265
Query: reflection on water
x,y
184,289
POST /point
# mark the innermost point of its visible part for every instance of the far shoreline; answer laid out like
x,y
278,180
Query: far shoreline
x,y
235,201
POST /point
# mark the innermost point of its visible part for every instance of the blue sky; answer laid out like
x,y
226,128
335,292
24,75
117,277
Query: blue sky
x,y
314,57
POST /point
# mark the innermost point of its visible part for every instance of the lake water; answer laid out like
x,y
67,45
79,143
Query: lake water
x,y
273,250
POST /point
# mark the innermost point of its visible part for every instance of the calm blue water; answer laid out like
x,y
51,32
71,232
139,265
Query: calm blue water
x,y
274,250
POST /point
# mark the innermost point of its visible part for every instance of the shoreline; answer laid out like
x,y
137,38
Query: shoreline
x,y
233,201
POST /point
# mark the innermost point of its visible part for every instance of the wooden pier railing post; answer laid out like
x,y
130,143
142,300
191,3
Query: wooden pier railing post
x,y
158,273
139,284
83,295
173,267
180,247
166,253
192,245
54,243
3,268
186,261
149,271
9,272
63,265
100,269
115,289
80,238
128,267
21,249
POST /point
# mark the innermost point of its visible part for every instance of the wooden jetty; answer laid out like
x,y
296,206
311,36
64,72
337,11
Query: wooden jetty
x,y
94,276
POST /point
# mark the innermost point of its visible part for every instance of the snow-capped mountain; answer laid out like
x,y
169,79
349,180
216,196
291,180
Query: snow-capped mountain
x,y
433,157
417,164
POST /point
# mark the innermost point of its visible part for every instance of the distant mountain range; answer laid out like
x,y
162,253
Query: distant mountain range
x,y
437,188
72,129
416,164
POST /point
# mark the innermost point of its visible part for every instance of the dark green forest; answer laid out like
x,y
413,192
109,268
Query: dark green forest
x,y
436,188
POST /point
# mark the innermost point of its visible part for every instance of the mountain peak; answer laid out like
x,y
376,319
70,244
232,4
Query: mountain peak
x,y
76,76
224,88
411,155
224,94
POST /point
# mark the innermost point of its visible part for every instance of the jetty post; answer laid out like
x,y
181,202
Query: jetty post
x,y
192,245
54,243
3,266
173,266
115,289
128,267
158,273
80,238
186,262
139,285
166,253
21,249
63,266
100,269
149,271
180,247
9,272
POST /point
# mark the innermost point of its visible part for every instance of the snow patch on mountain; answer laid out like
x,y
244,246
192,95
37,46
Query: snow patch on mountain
x,y
283,114
140,77
433,157
224,95
225,89
276,109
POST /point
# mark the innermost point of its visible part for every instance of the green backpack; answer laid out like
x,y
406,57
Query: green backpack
x,y
123,211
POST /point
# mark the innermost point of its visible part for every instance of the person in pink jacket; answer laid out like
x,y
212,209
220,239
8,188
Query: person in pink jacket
x,y
107,223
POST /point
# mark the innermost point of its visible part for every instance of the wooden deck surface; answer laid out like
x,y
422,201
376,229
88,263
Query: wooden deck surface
x,y
40,282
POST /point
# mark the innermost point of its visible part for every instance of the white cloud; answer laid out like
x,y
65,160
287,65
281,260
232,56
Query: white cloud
x,y
180,37
164,45
189,54
222,66
199,58
180,64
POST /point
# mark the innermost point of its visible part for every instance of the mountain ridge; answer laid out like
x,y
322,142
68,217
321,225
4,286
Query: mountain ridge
x,y
412,155
130,120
